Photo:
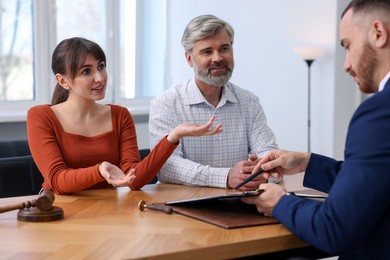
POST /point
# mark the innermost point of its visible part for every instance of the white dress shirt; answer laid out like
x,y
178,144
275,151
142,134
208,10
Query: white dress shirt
x,y
384,81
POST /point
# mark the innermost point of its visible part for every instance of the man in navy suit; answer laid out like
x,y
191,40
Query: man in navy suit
x,y
354,221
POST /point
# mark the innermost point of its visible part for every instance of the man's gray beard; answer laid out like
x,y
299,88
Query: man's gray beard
x,y
217,81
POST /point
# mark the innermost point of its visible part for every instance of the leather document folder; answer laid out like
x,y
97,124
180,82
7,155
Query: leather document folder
x,y
226,211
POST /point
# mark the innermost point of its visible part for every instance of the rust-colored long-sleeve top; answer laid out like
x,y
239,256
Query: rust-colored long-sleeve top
x,y
70,162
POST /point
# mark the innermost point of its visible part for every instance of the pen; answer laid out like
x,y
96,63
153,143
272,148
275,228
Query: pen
x,y
254,175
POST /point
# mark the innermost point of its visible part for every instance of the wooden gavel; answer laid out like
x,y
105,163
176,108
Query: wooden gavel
x,y
142,206
44,203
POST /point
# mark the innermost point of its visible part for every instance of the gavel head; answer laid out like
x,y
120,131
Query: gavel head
x,y
43,210
142,205
45,200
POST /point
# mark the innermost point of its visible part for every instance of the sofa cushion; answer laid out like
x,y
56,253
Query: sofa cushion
x,y
19,176
14,148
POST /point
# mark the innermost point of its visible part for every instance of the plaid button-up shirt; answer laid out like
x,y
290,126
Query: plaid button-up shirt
x,y
206,160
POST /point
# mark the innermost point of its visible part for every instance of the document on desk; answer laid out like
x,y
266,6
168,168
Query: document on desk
x,y
227,211
311,194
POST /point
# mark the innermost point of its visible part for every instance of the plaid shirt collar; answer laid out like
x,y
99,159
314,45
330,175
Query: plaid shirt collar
x,y
194,95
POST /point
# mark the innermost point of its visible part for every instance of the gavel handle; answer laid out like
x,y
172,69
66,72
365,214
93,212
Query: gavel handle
x,y
27,204
165,209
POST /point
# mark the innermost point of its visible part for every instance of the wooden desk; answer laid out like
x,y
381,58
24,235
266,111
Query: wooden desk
x,y
107,224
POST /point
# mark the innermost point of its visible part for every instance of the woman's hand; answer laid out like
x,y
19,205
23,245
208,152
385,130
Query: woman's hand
x,y
189,129
115,176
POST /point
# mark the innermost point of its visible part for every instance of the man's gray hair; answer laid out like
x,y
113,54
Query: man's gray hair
x,y
203,26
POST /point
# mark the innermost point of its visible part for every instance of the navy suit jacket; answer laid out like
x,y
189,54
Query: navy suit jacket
x,y
354,221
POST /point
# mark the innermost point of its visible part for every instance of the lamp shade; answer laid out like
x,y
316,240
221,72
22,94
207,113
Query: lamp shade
x,y
309,53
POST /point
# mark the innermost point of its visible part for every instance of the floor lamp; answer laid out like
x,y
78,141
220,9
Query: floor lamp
x,y
309,55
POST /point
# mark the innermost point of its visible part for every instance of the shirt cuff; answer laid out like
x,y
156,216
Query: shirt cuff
x,y
218,177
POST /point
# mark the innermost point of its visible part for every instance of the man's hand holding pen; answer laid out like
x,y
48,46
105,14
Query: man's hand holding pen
x,y
276,163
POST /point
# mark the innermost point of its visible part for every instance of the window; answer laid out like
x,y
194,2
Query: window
x,y
86,19
131,32
142,38
16,51
127,23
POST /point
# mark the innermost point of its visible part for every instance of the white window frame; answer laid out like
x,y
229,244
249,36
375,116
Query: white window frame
x,y
44,27
14,111
141,106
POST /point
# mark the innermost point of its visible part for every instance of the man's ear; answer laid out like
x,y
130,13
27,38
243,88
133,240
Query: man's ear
x,y
380,34
189,59
62,81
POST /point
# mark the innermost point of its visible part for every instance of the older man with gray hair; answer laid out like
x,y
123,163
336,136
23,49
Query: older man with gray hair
x,y
224,160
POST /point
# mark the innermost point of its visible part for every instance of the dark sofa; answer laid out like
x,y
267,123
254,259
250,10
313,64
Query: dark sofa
x,y
19,176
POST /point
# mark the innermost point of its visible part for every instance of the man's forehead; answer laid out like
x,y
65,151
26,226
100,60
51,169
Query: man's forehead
x,y
346,19
220,38
346,24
